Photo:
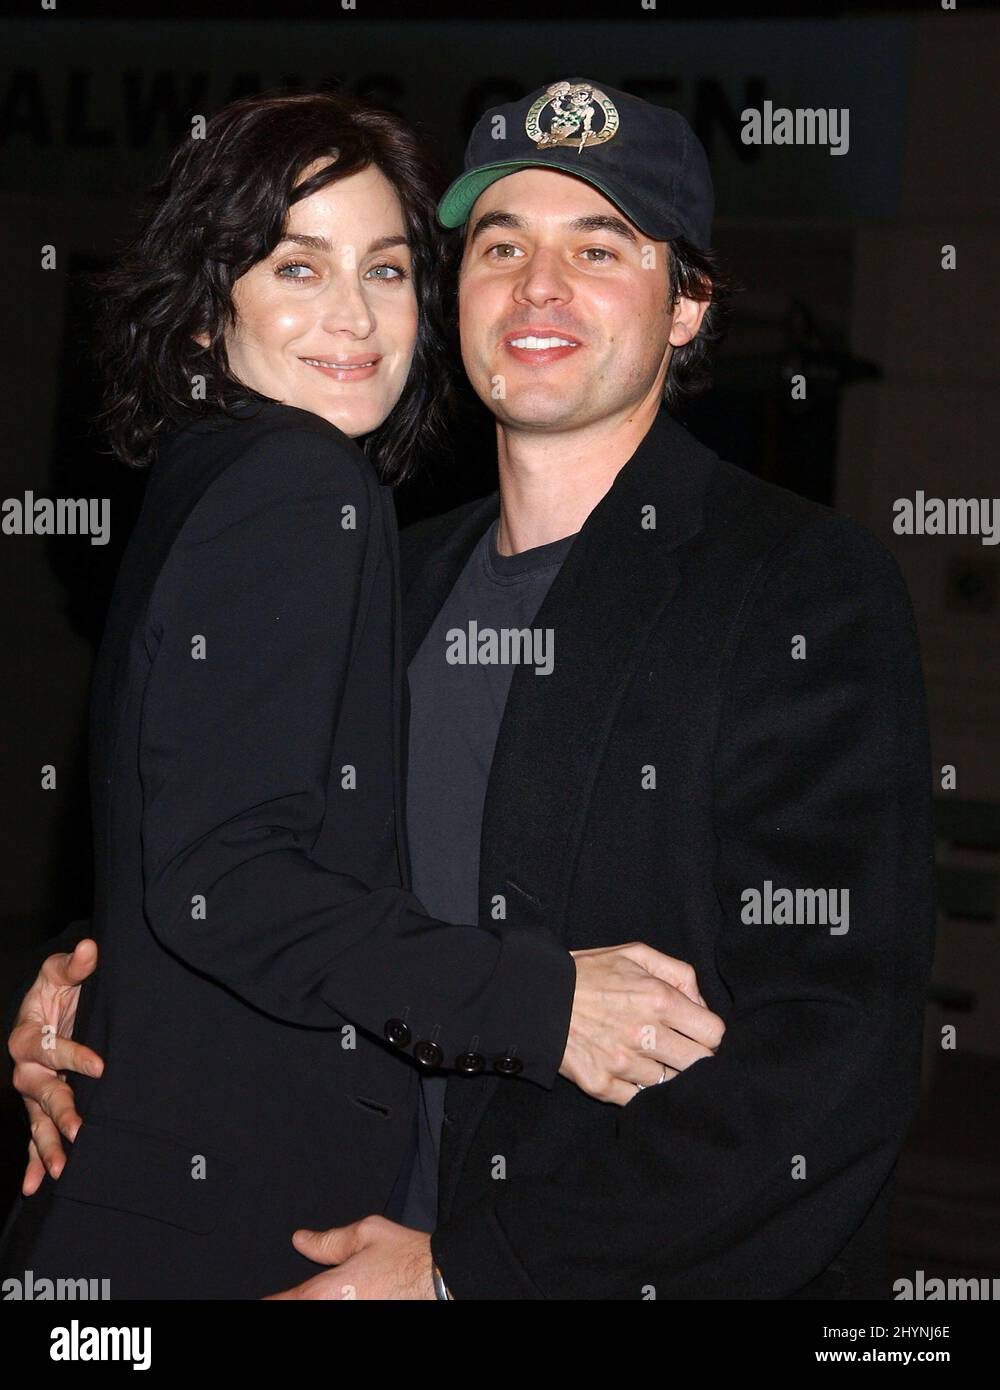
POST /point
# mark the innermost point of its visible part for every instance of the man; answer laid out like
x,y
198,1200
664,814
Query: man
x,y
731,743
714,722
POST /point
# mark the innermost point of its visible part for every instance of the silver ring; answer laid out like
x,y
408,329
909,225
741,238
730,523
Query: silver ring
x,y
663,1075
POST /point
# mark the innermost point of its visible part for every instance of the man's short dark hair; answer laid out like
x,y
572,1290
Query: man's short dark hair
x,y
696,275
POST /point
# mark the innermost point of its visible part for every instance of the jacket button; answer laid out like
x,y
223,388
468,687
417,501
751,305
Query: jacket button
x,y
470,1063
428,1054
508,1066
397,1033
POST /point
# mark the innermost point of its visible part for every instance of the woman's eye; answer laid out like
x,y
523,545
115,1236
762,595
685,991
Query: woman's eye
x,y
389,272
600,255
293,265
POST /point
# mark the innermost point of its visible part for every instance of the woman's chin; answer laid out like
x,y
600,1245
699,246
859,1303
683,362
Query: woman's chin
x,y
352,418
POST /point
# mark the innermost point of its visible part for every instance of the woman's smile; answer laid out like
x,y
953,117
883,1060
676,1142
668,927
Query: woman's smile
x,y
359,367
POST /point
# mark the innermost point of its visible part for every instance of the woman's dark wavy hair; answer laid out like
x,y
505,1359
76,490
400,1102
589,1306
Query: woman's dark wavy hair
x,y
219,209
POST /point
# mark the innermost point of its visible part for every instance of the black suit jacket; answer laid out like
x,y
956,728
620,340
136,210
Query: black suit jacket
x,y
255,928
765,1170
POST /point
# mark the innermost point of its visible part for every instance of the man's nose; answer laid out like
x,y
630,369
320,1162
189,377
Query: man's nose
x,y
544,280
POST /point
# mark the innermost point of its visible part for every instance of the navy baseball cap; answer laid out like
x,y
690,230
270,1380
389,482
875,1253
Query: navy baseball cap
x,y
646,159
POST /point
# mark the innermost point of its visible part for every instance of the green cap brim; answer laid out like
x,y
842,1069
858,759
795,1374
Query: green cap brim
x,y
457,201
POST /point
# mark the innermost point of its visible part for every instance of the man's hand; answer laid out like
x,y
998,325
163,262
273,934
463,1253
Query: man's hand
x,y
42,1048
638,1019
374,1258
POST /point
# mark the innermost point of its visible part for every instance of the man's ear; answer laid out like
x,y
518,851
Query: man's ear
x,y
687,317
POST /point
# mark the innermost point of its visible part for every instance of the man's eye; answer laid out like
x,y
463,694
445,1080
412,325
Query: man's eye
x,y
505,251
599,255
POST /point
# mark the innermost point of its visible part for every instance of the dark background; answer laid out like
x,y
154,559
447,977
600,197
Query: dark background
x,y
840,264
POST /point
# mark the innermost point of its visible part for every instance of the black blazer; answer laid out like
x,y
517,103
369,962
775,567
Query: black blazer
x,y
764,1171
251,901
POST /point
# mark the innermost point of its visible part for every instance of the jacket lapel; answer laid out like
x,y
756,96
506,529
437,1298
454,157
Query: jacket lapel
x,y
604,604
428,580
602,608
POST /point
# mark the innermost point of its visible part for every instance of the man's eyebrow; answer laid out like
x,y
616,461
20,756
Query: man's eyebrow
x,y
602,222
597,222
497,219
320,243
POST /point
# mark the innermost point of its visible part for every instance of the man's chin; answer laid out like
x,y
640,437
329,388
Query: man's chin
x,y
530,410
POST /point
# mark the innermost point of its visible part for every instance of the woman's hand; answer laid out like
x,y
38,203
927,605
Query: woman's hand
x,y
638,1019
42,1048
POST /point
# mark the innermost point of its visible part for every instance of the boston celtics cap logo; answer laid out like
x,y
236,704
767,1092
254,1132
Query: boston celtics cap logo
x,y
657,173
574,114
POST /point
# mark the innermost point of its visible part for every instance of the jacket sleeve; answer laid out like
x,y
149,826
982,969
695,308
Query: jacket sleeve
x,y
249,634
746,1175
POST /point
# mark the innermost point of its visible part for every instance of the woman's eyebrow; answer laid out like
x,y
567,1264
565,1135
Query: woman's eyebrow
x,y
320,243
385,242
316,243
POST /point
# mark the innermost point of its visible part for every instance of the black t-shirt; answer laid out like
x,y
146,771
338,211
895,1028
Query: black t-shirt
x,y
459,680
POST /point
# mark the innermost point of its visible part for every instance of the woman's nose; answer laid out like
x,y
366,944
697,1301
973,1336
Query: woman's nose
x,y
347,308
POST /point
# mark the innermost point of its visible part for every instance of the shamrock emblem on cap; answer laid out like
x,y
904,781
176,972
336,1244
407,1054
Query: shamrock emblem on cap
x,y
580,115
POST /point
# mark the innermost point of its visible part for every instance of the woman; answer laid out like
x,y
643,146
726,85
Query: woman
x,y
263,966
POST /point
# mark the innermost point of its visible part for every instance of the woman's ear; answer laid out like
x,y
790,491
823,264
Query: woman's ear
x,y
201,339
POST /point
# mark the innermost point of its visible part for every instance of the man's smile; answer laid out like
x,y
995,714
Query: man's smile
x,y
539,345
